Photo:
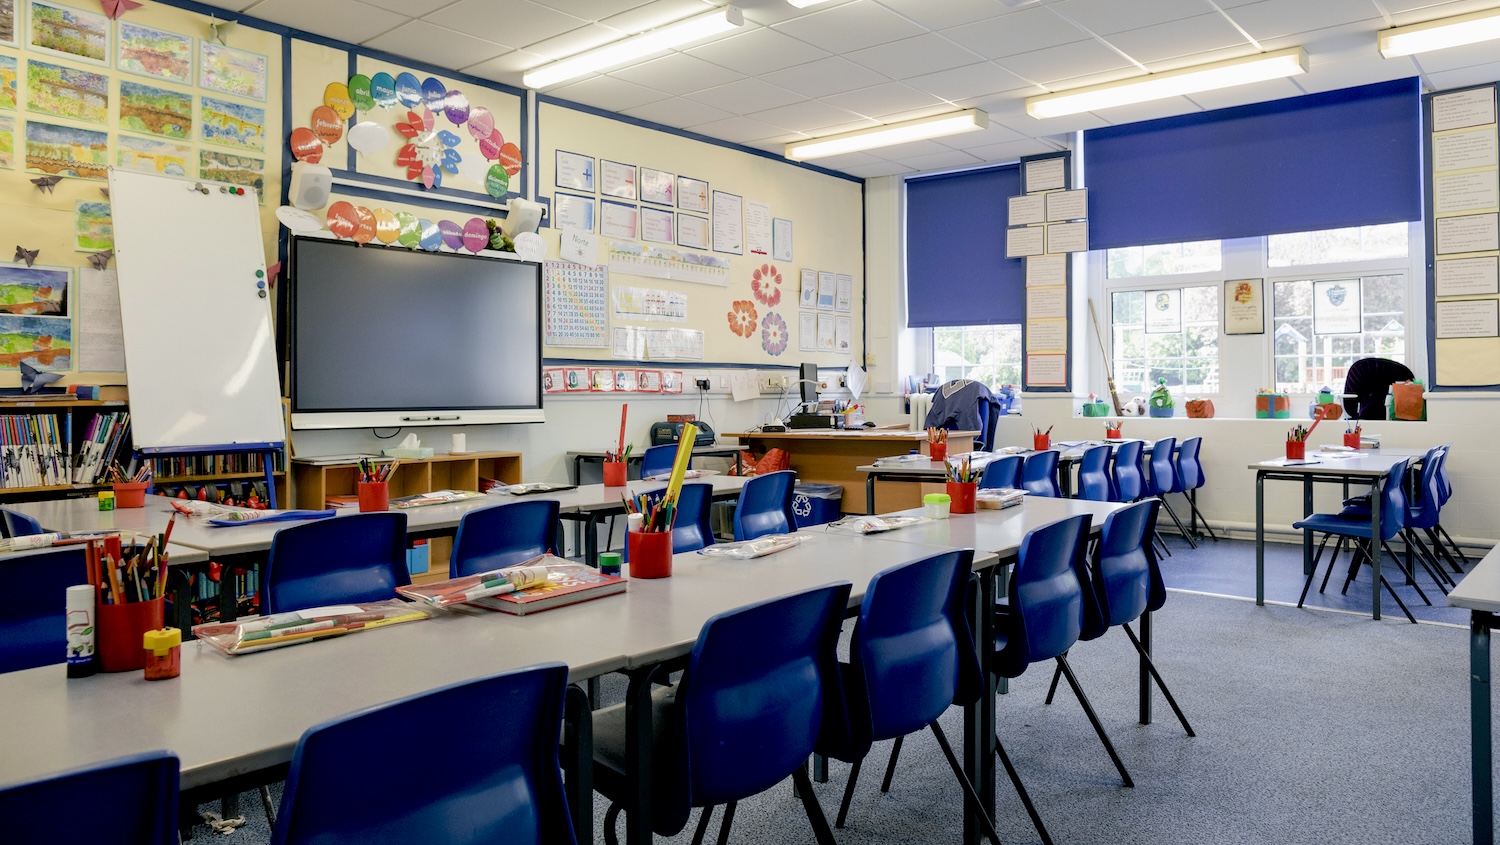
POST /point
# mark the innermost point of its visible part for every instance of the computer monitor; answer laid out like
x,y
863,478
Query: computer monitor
x,y
809,379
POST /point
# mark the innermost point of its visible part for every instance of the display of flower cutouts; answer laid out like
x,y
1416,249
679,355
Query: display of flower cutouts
x,y
430,152
742,318
773,333
765,283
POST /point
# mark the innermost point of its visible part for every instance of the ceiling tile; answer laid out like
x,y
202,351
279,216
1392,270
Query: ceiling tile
x,y
746,95
739,130
653,14
1466,76
1272,18
881,100
522,24
1105,17
606,92
1454,58
986,137
806,116
758,51
1012,150
1183,37
840,162
1257,92
677,112
833,75
1148,111
914,56
591,10
1068,61
1023,31
977,80
677,73
349,20
414,8
940,161
1331,76
850,27
942,15
1206,57
1405,12
884,168
1033,128
506,68
574,41
437,45
896,152
768,12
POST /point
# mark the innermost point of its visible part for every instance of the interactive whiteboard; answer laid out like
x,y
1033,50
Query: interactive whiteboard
x,y
195,306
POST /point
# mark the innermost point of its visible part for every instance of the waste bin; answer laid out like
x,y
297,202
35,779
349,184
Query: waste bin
x,y
816,504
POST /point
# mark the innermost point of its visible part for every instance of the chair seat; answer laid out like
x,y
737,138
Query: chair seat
x,y
1342,524
609,732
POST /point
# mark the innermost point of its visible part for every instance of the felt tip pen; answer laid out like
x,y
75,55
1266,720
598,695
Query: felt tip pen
x,y
380,623
294,629
280,639
485,592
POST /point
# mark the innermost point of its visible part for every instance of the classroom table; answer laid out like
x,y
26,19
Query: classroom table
x,y
713,450
1479,591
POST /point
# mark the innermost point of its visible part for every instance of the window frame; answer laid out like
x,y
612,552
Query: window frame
x,y
929,345
1099,262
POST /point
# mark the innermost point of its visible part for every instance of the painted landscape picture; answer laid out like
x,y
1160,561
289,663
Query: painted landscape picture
x,y
93,229
156,52
43,342
232,124
38,291
63,29
231,71
158,111
66,151
8,22
67,92
8,76
150,156
235,169
8,142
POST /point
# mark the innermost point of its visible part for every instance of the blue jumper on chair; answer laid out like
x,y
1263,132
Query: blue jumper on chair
x,y
765,506
127,801
355,558
503,535
33,604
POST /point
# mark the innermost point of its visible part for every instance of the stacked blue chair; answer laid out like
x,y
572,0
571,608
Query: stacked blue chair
x,y
1093,475
33,606
658,460
1003,472
1130,478
760,686
1039,474
501,783
909,658
17,524
690,527
765,506
128,801
1422,510
355,558
1191,479
503,535
1438,533
1164,480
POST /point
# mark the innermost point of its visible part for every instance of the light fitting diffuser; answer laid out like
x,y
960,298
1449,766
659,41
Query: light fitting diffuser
x,y
635,47
1435,35
803,4
1173,83
891,134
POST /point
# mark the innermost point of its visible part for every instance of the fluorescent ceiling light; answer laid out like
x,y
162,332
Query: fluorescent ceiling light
x,y
803,4
1172,83
885,136
1435,35
635,47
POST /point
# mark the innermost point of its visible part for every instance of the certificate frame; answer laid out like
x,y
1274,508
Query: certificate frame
x,y
690,191
1324,318
694,221
650,177
578,184
560,205
608,230
618,180
1030,166
657,214
1244,306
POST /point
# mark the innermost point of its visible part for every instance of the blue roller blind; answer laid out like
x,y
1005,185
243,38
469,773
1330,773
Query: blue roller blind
x,y
956,270
1350,157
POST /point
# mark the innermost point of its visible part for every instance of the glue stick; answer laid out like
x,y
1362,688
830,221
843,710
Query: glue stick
x,y
81,621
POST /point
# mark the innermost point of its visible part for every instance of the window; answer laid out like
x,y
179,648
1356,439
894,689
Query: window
x,y
1322,326
1332,246
1164,259
988,354
1172,333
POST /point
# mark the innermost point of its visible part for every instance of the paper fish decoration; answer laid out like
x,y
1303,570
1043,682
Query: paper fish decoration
x,y
26,255
100,260
33,380
46,183
113,9
217,29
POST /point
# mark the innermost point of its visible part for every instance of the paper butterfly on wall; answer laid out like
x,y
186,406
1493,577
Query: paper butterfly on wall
x,y
100,260
33,380
430,153
113,9
45,184
26,255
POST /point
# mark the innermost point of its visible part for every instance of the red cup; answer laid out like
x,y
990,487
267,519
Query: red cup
x,y
1296,450
130,495
614,473
122,629
962,496
1041,442
1112,434
937,451
650,553
1351,440
374,496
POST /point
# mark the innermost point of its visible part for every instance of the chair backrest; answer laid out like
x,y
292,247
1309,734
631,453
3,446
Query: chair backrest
x,y
1093,475
759,685
503,535
1039,474
355,558
130,801
1122,564
1189,468
1445,487
658,460
1393,500
1163,471
17,524
1046,597
1130,480
765,506
1002,472
499,782
33,604
1422,509
989,417
690,528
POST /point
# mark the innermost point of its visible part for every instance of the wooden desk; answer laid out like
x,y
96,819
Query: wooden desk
x,y
834,457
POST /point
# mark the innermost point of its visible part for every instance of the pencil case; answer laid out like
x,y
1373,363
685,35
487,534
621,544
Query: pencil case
x,y
268,633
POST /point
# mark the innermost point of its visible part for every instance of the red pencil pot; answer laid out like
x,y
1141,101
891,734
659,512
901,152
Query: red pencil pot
x,y
962,494
937,451
650,553
1351,440
1112,434
122,630
614,473
374,496
1296,450
130,495
1041,442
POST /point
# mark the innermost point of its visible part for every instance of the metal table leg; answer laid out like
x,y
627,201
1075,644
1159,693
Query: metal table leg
x,y
979,717
1145,672
1307,535
578,760
1481,762
1260,538
1375,551
870,493
638,750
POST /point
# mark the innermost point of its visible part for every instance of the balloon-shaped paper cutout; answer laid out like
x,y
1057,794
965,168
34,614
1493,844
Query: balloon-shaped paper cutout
x,y
369,136
411,232
336,97
364,231
383,89
476,234
299,221
342,219
489,149
497,182
481,123
431,236
448,138
327,125
434,93
530,246
408,90
386,227
456,107
359,92
510,158
453,234
305,145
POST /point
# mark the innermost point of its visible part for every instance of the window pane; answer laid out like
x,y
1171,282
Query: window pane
x,y
1362,243
1305,362
988,354
1164,259
1188,359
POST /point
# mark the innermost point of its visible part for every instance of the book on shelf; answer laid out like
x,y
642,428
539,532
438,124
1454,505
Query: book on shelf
x,y
566,583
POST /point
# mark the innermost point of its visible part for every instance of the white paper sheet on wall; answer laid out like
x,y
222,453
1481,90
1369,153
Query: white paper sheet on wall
x,y
101,342
742,385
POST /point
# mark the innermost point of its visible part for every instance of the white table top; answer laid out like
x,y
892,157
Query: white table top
x,y
1480,589
177,555
1357,465
996,531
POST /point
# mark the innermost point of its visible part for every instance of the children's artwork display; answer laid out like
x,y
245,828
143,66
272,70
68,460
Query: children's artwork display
x,y
230,71
232,124
8,79
155,111
66,151
154,52
35,291
92,227
152,156
235,169
67,92
42,342
64,30
7,142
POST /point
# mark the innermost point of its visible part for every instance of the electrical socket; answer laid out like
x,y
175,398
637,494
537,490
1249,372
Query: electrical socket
x,y
703,384
771,384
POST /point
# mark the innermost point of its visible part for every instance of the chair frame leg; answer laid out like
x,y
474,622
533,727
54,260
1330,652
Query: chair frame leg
x,y
1156,676
1192,500
611,818
810,803
1312,572
1186,535
1088,710
1333,561
1157,538
1456,547
1410,577
1015,780
1052,690
1442,549
838,822
727,822
890,767
970,796
703,816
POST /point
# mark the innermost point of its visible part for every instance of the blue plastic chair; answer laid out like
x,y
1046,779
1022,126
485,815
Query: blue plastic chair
x,y
17,524
1163,480
1093,475
355,558
1129,478
1039,474
658,460
33,604
760,686
1003,472
497,781
1438,532
503,535
127,801
765,506
908,657
690,529
1191,479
